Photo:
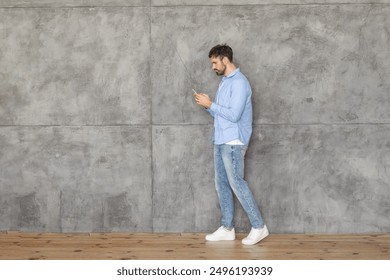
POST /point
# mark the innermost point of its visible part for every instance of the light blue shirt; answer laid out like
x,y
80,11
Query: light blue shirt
x,y
232,109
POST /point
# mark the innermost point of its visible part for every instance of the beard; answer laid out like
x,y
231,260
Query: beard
x,y
220,72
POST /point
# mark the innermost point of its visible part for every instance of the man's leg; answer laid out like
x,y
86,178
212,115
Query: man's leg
x,y
233,158
225,196
224,191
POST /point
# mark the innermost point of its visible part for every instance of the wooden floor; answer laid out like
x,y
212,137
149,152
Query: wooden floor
x,y
147,246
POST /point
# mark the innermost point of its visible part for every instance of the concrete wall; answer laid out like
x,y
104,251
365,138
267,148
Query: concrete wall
x,y
99,132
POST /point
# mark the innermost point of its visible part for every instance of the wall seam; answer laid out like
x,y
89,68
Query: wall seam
x,y
196,124
151,116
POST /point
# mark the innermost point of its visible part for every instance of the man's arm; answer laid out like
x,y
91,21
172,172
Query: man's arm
x,y
239,98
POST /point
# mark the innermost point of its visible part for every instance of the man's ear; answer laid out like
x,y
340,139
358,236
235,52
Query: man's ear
x,y
225,60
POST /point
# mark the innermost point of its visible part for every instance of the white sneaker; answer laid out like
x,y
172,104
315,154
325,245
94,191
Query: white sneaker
x,y
221,234
255,236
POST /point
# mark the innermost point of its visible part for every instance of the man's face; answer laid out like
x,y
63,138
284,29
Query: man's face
x,y
218,65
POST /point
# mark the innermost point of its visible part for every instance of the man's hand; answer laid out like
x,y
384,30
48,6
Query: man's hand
x,y
203,100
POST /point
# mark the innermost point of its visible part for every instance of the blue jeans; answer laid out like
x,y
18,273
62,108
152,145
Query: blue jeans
x,y
229,179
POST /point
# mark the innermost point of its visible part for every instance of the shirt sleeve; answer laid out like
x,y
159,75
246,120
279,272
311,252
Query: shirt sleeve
x,y
236,107
211,112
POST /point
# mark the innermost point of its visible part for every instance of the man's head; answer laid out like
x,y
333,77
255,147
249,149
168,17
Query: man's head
x,y
221,57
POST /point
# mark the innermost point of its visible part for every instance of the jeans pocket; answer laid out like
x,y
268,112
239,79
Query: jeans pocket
x,y
244,148
239,148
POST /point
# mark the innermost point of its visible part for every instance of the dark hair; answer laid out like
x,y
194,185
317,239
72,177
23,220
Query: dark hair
x,y
222,51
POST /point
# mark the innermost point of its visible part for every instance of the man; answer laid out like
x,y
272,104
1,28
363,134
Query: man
x,y
232,113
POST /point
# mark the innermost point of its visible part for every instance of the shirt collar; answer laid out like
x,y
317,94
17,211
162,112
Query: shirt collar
x,y
232,74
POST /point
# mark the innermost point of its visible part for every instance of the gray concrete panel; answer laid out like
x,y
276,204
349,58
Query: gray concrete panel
x,y
184,197
343,178
338,64
76,178
74,66
180,64
306,64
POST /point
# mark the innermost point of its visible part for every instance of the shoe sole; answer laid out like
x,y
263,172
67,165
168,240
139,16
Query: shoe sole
x,y
227,239
251,243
